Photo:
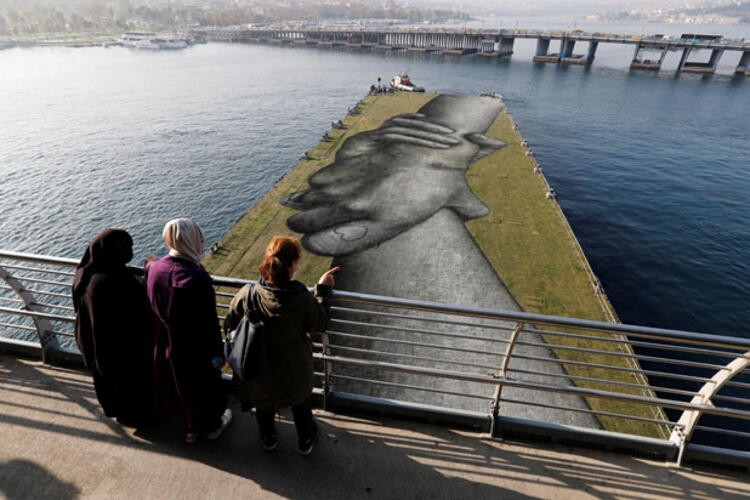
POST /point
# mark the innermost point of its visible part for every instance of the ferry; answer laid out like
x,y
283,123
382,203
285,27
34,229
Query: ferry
x,y
402,82
152,41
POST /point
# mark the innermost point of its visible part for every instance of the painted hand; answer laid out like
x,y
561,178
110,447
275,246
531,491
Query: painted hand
x,y
386,181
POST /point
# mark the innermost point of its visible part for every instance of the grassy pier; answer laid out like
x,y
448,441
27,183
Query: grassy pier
x,y
526,237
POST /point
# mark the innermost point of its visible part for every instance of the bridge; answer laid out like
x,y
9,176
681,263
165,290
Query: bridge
x,y
649,51
695,387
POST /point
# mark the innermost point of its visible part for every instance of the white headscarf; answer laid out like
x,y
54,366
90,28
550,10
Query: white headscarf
x,y
184,239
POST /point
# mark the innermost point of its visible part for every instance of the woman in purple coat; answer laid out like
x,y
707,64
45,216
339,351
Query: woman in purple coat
x,y
188,347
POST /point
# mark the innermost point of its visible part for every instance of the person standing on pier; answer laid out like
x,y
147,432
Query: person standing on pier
x,y
289,312
114,326
188,345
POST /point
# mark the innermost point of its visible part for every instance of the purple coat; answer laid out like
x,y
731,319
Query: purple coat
x,y
187,340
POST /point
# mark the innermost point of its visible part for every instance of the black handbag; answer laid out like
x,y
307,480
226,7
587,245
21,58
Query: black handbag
x,y
246,349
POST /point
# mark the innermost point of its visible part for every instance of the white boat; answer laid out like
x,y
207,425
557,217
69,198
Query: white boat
x,y
152,41
402,82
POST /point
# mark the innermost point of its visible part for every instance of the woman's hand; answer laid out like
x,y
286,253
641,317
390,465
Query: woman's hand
x,y
327,278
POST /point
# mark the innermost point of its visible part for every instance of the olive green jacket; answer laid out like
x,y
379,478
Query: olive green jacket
x,y
290,313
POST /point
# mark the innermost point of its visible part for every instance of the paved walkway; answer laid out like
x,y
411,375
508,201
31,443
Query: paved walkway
x,y
55,443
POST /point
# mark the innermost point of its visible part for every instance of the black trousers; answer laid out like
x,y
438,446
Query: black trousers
x,y
303,420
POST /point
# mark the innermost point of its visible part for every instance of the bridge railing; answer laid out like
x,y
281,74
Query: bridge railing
x,y
650,390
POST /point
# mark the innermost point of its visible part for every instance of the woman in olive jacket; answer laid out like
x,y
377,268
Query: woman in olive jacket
x,y
289,312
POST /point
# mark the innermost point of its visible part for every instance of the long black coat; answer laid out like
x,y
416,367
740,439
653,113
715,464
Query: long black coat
x,y
114,328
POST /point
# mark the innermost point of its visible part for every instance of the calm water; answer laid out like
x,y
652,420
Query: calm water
x,y
652,170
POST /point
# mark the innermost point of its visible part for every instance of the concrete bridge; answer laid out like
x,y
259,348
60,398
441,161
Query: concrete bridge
x,y
649,51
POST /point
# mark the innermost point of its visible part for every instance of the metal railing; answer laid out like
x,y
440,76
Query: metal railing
x,y
646,389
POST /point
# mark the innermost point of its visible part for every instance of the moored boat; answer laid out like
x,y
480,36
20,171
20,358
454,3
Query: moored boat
x,y
402,82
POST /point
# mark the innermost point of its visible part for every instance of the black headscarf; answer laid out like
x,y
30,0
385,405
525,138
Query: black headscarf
x,y
109,250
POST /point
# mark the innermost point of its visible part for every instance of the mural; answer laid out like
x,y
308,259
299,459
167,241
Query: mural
x,y
391,210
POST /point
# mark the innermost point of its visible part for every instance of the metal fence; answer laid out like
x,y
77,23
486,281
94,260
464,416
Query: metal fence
x,y
661,392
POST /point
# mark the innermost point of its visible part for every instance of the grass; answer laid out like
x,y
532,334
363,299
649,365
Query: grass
x,y
526,238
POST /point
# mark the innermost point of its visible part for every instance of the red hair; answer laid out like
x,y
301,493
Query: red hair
x,y
281,253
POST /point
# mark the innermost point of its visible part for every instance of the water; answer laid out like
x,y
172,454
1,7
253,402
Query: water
x,y
651,169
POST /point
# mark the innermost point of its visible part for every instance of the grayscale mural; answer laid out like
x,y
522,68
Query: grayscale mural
x,y
391,210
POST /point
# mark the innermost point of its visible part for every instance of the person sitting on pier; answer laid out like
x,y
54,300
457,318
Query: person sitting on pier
x,y
290,312
188,346
113,328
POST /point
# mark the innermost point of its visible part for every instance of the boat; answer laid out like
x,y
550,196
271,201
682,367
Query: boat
x,y
152,41
402,82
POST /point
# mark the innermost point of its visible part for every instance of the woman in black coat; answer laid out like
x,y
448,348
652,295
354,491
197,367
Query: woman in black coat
x,y
114,328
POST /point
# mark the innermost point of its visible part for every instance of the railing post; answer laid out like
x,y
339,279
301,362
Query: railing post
x,y
685,427
46,339
502,374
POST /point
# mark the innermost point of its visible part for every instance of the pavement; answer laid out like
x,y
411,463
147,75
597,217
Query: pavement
x,y
56,443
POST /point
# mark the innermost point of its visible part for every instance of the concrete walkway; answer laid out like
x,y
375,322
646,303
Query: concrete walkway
x,y
55,443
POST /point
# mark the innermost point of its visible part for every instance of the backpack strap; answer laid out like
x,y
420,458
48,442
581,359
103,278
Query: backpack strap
x,y
252,311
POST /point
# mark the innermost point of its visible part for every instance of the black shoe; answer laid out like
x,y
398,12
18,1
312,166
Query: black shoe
x,y
306,444
269,441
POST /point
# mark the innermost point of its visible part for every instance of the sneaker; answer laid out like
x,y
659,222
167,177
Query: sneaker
x,y
191,437
269,441
226,419
306,445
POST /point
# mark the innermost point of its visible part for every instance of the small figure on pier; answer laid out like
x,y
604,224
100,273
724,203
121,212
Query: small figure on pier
x,y
537,169
551,194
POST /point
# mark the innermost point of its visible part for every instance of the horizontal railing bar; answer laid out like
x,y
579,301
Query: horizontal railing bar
x,y
380,326
408,386
20,327
523,317
718,430
36,314
609,382
30,257
10,299
409,356
224,294
610,367
594,393
742,401
43,282
442,321
593,412
673,361
49,294
37,269
734,383
413,344
638,343
55,306
64,334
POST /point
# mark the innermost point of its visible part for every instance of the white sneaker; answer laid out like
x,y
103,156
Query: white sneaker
x,y
226,419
